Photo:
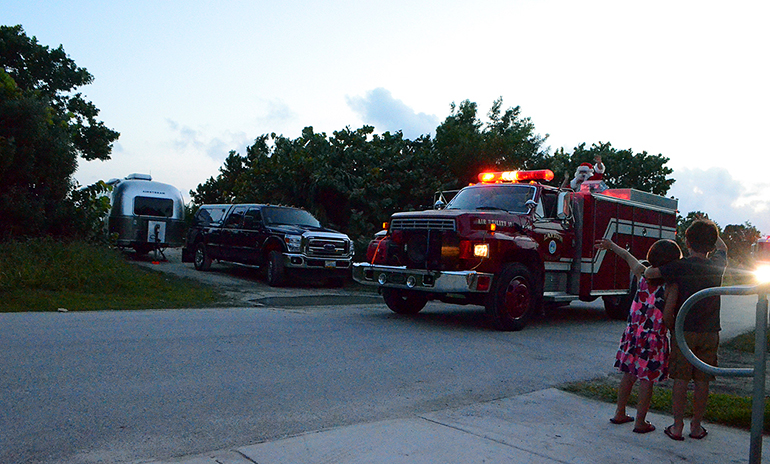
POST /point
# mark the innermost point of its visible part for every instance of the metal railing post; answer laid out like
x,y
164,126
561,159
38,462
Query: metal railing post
x,y
760,355
758,401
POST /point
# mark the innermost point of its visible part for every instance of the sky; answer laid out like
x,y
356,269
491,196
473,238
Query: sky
x,y
185,82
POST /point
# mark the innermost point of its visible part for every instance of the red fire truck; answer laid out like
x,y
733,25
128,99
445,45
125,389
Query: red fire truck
x,y
512,244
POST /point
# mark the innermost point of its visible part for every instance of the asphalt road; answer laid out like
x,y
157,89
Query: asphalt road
x,y
139,385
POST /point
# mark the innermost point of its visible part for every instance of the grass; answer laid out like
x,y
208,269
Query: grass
x,y
723,408
745,342
45,275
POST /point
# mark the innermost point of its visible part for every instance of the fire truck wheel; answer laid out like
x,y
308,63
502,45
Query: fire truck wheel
x,y
404,301
513,298
201,260
276,273
617,307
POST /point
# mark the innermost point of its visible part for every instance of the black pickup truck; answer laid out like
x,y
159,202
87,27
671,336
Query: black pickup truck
x,y
281,239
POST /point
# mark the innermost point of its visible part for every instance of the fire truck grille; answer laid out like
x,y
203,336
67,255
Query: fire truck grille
x,y
327,247
423,224
426,249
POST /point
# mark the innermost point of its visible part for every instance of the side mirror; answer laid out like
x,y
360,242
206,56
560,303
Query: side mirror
x,y
439,205
563,210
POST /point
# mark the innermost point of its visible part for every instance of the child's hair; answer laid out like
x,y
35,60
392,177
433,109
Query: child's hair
x,y
662,252
702,235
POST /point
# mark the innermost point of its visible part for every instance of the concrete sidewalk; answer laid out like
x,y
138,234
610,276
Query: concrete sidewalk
x,y
547,426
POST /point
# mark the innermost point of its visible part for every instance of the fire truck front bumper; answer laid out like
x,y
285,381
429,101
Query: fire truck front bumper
x,y
420,279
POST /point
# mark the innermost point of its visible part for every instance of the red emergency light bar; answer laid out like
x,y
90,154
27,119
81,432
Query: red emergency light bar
x,y
516,176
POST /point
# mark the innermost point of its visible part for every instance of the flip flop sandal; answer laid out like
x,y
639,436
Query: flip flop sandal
x,y
700,435
647,429
623,420
672,435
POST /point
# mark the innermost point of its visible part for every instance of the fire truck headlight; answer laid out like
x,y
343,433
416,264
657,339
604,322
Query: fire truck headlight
x,y
762,273
481,250
293,243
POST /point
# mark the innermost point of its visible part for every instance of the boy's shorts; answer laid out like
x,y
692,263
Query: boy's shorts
x,y
705,345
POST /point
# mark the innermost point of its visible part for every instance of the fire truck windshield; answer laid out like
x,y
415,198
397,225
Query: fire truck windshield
x,y
506,197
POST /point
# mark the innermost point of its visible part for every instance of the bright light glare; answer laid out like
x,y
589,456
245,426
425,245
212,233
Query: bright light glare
x,y
481,250
762,273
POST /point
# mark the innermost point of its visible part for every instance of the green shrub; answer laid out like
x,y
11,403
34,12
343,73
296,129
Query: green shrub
x,y
46,274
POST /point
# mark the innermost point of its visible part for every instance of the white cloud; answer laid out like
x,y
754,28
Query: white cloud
x,y
187,139
387,114
725,199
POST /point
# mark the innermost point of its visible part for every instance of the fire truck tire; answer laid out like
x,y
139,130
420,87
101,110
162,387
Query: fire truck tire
x,y
513,298
618,307
276,273
404,301
201,259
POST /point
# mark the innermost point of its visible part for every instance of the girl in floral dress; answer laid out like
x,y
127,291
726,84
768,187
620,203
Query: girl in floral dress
x,y
644,346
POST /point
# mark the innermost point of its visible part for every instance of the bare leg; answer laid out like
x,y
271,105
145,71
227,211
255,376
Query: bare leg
x,y
699,402
643,405
624,392
678,402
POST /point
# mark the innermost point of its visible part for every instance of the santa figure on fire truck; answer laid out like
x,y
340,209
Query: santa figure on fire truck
x,y
584,172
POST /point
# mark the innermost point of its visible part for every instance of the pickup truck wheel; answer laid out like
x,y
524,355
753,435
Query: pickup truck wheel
x,y
201,259
404,301
513,298
619,306
276,273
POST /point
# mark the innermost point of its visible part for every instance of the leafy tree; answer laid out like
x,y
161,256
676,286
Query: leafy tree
x,y
53,76
222,188
88,209
467,146
44,128
739,238
624,168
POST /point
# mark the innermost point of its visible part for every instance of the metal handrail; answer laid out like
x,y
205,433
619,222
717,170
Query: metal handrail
x,y
760,354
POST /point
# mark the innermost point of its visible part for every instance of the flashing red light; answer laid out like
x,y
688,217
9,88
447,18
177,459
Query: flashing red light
x,y
516,176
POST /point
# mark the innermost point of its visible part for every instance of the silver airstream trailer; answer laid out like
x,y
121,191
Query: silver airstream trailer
x,y
145,215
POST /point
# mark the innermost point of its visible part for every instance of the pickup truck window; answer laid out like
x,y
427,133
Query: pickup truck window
x,y
252,220
148,206
236,217
207,216
275,215
512,198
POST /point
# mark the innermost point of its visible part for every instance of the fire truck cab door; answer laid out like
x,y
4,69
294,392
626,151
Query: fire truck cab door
x,y
554,230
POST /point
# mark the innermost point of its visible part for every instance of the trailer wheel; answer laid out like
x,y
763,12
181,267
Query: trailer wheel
x,y
276,273
405,302
618,307
201,259
513,298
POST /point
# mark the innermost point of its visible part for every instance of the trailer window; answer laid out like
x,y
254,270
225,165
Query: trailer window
x,y
148,206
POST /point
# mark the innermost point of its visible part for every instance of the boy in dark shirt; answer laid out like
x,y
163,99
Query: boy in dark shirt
x,y
702,269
